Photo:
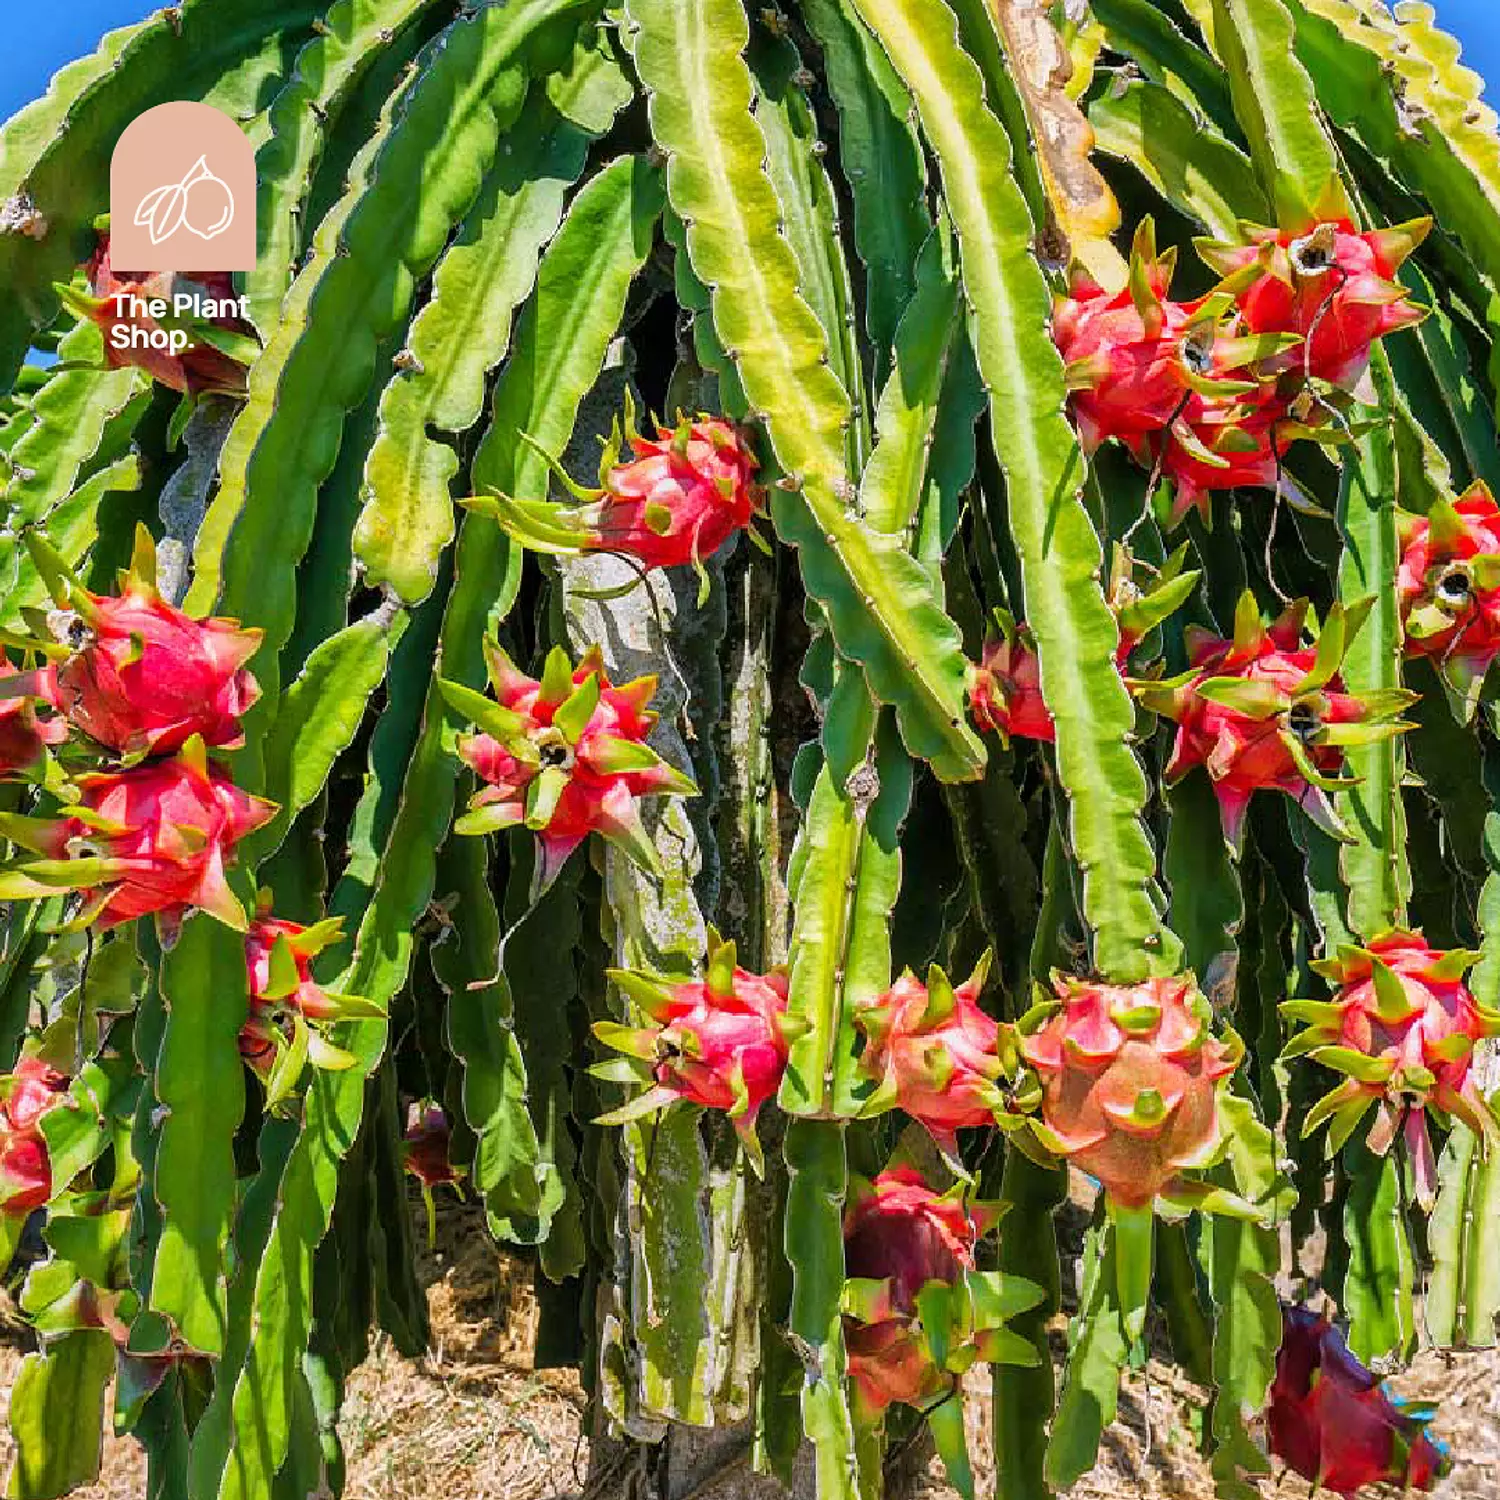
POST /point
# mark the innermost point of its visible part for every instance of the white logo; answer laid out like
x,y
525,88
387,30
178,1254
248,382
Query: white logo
x,y
164,210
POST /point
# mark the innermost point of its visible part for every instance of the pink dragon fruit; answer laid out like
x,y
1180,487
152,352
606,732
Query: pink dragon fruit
x,y
154,840
289,1009
32,1088
1131,1077
565,756
27,723
680,497
720,1042
204,367
1332,1421
1402,1026
1331,285
935,1054
1449,587
899,1237
1262,712
1005,689
144,677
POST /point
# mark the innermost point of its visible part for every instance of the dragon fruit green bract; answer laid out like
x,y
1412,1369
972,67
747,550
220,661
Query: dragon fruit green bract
x,y
1131,1077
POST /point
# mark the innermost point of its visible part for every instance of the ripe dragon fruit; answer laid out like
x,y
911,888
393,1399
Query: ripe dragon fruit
x,y
1131,1077
1331,1420
1262,712
1449,587
27,724
934,1053
288,1007
680,497
152,840
220,347
1135,360
565,756
720,1042
144,677
32,1088
1402,1026
1005,689
916,1312
1331,285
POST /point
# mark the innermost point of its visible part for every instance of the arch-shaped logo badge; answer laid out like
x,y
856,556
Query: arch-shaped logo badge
x,y
182,192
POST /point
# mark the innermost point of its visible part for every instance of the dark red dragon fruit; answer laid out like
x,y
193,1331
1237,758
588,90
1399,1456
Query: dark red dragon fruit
x,y
934,1053
917,1312
1402,1027
1262,712
1131,1078
217,348
678,498
720,1042
26,1094
1331,1420
144,677
1331,285
289,1009
426,1153
565,757
153,840
1449,586
28,724
1005,689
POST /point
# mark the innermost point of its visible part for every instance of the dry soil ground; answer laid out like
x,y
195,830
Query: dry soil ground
x,y
473,1421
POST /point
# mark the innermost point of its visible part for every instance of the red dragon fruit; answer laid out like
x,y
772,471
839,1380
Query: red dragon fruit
x,y
935,1054
1402,1026
1131,1077
205,365
27,723
680,497
565,756
144,677
1331,285
720,1042
288,1007
1005,689
1135,360
1262,712
1449,587
152,840
1331,1420
26,1183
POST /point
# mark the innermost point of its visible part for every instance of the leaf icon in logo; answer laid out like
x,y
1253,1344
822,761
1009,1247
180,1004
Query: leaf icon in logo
x,y
165,210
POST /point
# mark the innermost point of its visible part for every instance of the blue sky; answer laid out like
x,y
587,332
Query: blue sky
x,y
50,32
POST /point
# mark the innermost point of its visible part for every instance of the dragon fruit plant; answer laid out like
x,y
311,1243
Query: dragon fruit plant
x,y
1069,537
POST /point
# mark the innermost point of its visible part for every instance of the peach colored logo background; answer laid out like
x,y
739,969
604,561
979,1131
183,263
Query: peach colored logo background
x,y
182,192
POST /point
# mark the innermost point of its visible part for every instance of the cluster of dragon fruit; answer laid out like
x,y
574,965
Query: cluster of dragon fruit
x,y
121,706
